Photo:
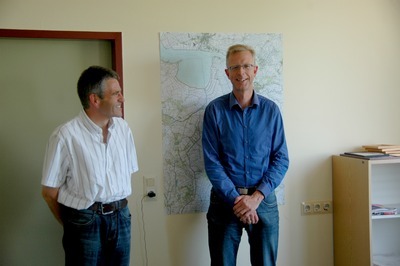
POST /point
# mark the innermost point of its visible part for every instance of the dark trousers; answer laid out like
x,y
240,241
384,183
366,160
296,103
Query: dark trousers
x,y
92,239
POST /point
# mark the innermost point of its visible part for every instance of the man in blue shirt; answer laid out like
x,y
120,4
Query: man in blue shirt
x,y
246,158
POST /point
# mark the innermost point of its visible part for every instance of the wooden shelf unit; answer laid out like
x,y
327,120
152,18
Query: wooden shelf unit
x,y
361,239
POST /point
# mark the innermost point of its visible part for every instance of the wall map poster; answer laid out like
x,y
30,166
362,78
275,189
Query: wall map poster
x,y
192,74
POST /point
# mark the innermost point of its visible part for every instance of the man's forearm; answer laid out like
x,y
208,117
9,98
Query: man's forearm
x,y
55,209
50,195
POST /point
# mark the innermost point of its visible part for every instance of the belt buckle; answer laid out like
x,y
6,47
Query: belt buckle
x,y
102,210
243,191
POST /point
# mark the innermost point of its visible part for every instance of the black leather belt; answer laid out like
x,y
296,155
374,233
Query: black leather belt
x,y
246,190
108,208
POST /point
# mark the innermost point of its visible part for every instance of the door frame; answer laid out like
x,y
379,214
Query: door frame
x,y
115,38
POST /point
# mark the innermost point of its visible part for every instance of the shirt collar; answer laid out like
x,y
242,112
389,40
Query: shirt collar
x,y
91,126
232,100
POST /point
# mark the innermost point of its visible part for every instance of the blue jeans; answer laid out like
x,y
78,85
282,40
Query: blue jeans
x,y
225,231
92,239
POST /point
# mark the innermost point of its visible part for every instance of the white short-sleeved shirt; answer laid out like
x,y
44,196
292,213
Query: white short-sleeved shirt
x,y
86,169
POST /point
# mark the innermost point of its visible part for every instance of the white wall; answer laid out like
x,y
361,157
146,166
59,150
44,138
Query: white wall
x,y
341,86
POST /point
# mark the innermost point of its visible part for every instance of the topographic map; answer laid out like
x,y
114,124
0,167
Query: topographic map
x,y
192,74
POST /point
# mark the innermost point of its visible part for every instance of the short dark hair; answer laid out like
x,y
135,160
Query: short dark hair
x,y
91,82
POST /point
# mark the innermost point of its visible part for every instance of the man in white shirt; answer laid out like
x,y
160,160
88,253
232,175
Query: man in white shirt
x,y
87,174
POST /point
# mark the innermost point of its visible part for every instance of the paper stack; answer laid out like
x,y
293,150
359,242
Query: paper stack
x,y
393,150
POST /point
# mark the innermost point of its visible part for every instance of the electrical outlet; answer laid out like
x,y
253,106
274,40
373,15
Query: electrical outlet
x,y
327,207
149,185
316,207
306,208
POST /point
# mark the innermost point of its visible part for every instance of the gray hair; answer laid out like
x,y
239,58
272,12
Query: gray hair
x,y
91,81
239,48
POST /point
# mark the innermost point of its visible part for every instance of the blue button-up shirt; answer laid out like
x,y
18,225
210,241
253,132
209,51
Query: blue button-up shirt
x,y
244,148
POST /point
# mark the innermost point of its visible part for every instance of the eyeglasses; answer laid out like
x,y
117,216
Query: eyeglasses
x,y
246,67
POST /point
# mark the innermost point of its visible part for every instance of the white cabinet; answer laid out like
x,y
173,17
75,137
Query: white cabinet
x,y
361,239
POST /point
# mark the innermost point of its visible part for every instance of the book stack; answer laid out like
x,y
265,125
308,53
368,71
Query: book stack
x,y
379,209
392,150
367,155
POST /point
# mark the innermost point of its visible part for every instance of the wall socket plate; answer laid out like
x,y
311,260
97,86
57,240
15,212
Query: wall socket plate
x,y
316,207
149,185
